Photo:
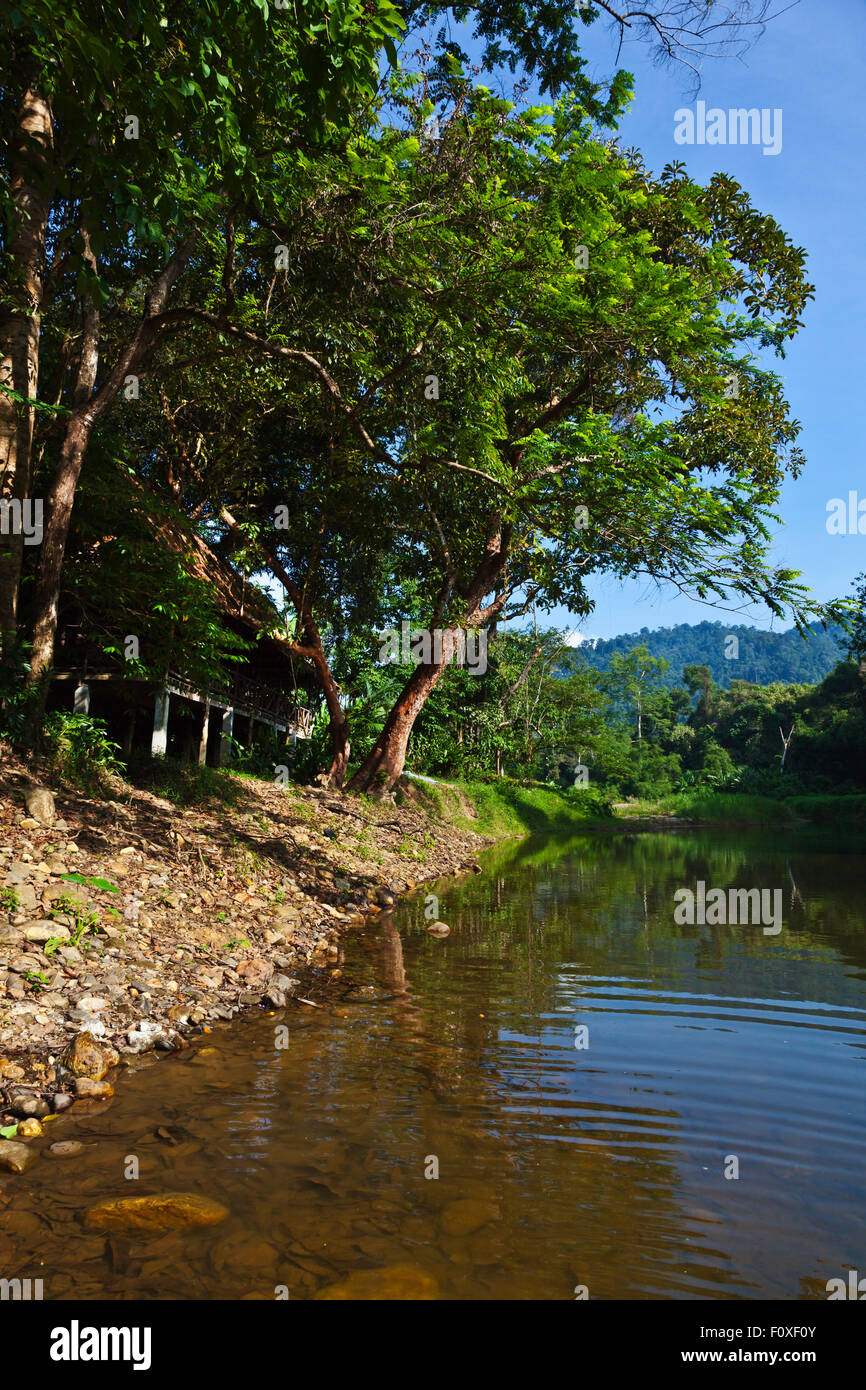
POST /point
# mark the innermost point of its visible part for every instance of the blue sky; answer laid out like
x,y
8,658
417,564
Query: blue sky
x,y
811,63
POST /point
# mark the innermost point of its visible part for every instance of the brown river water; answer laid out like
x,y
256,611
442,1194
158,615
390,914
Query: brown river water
x,y
561,1168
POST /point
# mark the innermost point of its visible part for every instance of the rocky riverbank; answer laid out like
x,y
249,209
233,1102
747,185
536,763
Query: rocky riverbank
x,y
129,925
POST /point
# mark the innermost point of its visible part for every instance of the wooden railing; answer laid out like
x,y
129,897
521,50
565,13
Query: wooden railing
x,y
249,696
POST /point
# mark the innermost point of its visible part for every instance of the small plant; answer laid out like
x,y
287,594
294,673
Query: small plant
x,y
89,882
236,941
9,899
36,979
86,919
65,905
81,750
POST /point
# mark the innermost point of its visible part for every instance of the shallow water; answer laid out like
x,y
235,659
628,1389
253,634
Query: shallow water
x,y
601,1167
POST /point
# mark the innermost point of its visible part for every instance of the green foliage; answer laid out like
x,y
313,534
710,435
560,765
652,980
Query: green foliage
x,y
506,807
855,638
89,882
9,899
80,750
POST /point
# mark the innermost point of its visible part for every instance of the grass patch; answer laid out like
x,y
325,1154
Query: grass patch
x,y
507,808
716,808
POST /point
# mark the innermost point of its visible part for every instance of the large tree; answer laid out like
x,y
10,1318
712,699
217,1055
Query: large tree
x,y
557,374
550,358
139,135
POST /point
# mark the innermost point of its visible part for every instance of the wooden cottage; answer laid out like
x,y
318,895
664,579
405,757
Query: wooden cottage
x,y
268,693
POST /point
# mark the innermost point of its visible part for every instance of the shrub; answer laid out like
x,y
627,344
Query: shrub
x,y
80,749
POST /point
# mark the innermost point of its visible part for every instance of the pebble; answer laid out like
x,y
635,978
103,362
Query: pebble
x,y
66,1148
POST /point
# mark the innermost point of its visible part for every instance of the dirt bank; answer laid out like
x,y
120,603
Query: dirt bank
x,y
142,920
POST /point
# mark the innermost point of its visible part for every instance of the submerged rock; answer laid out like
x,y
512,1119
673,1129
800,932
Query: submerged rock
x,y
87,1089
468,1214
165,1211
401,1282
16,1158
66,1148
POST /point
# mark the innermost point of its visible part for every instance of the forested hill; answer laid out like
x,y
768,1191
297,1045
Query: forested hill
x,y
762,657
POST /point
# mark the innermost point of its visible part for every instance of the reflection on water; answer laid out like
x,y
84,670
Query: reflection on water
x,y
559,1165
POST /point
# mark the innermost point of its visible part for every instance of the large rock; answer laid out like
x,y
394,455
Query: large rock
x,y
166,1211
402,1282
16,1158
279,990
40,805
256,973
26,1103
86,1057
47,931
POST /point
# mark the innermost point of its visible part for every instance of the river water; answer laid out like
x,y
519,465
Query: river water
x,y
616,1105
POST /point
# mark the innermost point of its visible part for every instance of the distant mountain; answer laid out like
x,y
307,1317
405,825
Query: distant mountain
x,y
762,657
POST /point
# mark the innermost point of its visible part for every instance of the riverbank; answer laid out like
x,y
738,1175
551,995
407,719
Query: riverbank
x,y
196,895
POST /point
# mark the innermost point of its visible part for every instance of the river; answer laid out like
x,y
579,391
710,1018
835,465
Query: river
x,y
571,1095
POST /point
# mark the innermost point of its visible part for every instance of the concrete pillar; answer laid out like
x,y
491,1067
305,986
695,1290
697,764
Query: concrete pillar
x,y
205,724
159,741
227,730
81,699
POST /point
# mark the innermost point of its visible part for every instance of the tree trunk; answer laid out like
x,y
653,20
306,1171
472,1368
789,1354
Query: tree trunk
x,y
338,723
385,761
87,409
30,196
60,500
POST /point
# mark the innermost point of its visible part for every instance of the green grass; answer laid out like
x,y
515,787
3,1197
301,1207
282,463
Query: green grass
x,y
506,808
716,808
